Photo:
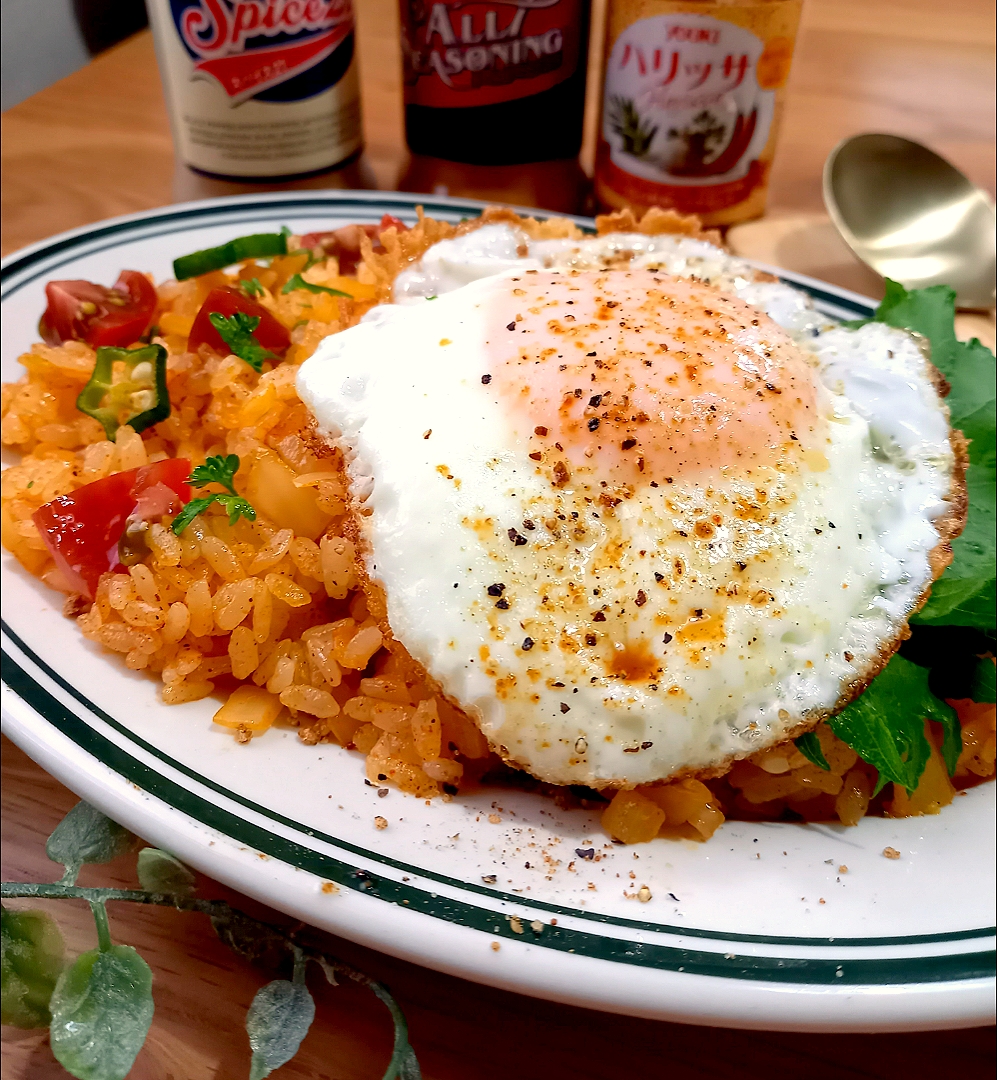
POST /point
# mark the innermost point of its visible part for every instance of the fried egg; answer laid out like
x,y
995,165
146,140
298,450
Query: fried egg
x,y
633,526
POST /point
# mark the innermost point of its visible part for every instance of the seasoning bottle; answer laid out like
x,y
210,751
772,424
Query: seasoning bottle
x,y
692,98
259,89
497,85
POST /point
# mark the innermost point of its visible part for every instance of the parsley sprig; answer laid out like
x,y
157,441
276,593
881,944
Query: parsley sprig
x,y
216,470
298,282
237,333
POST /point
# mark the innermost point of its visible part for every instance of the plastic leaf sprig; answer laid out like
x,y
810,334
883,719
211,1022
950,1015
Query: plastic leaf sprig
x,y
101,1012
99,1008
236,331
277,1021
85,835
33,959
216,470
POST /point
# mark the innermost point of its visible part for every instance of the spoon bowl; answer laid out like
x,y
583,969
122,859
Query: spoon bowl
x,y
913,217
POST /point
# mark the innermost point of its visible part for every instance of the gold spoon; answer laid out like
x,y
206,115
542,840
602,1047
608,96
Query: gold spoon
x,y
912,216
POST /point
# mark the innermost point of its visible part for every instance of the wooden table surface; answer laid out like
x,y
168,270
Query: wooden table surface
x,y
97,144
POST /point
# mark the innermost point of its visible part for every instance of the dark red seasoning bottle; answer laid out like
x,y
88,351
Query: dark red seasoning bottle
x,y
494,82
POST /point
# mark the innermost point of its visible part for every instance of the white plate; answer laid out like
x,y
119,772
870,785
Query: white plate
x,y
757,928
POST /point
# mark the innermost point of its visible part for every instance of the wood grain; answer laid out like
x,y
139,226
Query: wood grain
x,y
97,144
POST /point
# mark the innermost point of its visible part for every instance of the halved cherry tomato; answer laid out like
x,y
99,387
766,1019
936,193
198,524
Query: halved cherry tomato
x,y
82,530
344,243
270,333
83,311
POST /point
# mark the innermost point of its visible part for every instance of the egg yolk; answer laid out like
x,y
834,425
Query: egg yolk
x,y
635,375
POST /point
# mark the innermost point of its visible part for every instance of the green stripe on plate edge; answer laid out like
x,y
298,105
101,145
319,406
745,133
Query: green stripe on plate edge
x,y
806,971
387,201
442,879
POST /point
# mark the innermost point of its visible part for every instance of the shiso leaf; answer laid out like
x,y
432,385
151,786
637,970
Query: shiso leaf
x,y
809,746
965,593
984,683
885,725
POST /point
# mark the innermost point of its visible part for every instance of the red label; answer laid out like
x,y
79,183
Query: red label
x,y
251,46
254,70
463,53
687,199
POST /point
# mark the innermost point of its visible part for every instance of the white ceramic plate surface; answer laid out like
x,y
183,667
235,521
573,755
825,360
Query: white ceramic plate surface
x,y
757,928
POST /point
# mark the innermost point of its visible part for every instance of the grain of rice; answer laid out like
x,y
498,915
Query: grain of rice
x,y
131,448
362,646
243,652
120,592
177,623
232,603
338,570
426,730
388,717
445,770
283,588
145,583
386,690
220,557
140,613
202,616
178,693
262,610
311,700
272,551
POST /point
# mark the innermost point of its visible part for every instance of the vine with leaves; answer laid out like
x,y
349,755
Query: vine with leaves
x,y
99,1008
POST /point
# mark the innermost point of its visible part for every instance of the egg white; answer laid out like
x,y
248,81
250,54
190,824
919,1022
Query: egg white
x,y
441,480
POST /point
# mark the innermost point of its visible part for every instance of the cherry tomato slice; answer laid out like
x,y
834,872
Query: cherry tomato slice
x,y
344,243
82,529
83,311
270,333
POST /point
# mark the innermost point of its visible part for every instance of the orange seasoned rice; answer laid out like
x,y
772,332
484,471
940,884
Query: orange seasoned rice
x,y
275,618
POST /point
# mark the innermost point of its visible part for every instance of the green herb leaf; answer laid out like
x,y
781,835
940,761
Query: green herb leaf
x,y
277,1021
252,286
33,957
160,872
237,507
216,470
404,1065
189,512
885,726
85,835
809,746
298,282
237,333
984,684
965,593
101,1011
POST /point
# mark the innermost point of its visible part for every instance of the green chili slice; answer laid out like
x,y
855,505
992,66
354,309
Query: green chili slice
x,y
138,397
257,246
